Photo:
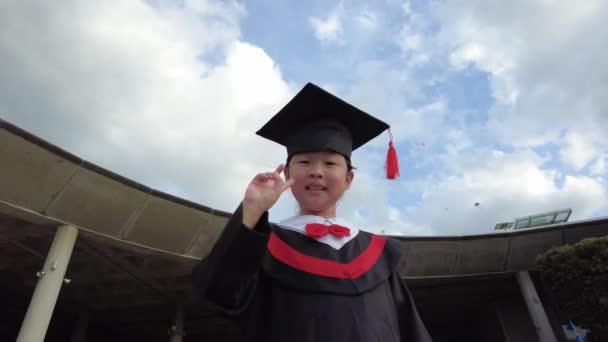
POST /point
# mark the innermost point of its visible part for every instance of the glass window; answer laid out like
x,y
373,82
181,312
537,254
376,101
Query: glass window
x,y
505,225
542,220
562,217
522,224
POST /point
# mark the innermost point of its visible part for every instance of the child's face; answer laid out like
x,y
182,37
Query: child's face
x,y
320,180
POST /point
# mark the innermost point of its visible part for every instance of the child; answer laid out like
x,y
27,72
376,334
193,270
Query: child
x,y
310,278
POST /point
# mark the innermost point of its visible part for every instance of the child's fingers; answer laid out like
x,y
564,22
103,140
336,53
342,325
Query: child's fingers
x,y
276,175
262,177
280,168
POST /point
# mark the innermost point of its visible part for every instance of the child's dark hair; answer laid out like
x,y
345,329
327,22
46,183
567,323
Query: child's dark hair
x,y
349,164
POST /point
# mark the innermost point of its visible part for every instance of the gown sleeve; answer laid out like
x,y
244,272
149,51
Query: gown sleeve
x,y
411,326
227,277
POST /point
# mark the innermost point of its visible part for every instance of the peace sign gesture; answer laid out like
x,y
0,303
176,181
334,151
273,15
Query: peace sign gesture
x,y
262,193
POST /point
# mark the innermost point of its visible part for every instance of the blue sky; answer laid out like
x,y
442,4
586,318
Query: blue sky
x,y
485,104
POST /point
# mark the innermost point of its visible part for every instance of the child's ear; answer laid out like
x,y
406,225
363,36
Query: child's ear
x,y
350,176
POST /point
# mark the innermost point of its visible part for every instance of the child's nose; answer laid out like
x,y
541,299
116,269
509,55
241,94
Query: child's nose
x,y
315,171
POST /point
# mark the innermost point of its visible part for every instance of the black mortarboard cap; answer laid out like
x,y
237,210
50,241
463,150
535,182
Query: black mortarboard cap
x,y
315,120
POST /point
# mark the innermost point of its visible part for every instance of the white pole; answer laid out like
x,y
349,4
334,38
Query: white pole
x,y
535,307
42,304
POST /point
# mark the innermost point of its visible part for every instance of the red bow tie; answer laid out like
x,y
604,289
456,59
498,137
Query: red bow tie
x,y
318,230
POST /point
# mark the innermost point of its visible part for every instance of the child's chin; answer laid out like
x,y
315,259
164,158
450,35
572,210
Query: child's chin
x,y
314,207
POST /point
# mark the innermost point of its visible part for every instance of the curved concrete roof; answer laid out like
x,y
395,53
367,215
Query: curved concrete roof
x,y
44,179
41,183
450,256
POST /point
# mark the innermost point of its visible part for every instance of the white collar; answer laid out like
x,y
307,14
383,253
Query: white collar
x,y
298,224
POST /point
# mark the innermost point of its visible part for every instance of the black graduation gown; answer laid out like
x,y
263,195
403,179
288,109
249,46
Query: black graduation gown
x,y
285,286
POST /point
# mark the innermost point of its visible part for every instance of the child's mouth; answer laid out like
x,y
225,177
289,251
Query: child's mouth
x,y
315,187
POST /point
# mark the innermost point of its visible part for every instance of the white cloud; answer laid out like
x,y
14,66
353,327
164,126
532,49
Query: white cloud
x,y
464,55
413,44
390,93
544,96
506,186
547,83
414,37
600,167
410,40
367,20
130,87
578,151
367,205
329,29
546,78
406,7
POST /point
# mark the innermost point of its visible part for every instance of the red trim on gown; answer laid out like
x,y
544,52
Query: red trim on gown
x,y
328,268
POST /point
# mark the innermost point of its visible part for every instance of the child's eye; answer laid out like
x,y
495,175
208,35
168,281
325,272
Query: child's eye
x,y
303,162
330,163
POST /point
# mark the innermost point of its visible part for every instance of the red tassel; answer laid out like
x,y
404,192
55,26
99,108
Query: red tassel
x,y
392,163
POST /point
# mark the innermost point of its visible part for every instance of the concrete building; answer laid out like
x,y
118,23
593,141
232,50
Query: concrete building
x,y
87,255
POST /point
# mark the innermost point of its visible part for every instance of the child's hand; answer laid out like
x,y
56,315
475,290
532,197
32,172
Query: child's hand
x,y
262,193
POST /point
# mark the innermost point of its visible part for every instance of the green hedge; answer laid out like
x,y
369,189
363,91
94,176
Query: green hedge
x,y
577,276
